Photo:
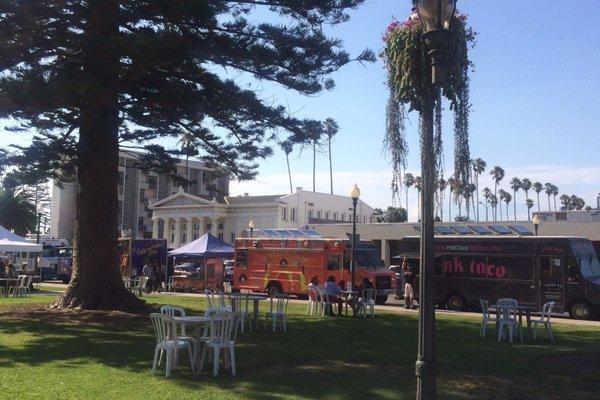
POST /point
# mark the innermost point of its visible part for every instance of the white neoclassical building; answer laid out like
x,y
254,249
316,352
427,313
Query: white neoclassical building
x,y
183,217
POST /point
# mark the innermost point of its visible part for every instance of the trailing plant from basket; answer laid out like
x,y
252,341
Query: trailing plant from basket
x,y
409,82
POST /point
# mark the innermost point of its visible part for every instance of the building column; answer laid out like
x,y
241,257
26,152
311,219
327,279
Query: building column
x,y
177,239
385,252
190,229
155,222
201,226
167,230
214,227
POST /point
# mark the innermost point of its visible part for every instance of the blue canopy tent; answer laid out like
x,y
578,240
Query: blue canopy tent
x,y
205,246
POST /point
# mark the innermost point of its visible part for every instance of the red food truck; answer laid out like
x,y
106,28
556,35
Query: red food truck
x,y
288,265
530,269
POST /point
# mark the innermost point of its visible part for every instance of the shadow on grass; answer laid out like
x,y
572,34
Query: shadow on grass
x,y
319,357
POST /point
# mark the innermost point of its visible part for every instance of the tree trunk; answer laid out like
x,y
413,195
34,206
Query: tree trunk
x,y
314,165
486,211
450,207
515,204
549,206
406,203
330,167
287,159
495,208
477,194
96,282
538,202
554,198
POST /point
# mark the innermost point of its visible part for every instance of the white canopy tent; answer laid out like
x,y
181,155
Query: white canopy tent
x,y
11,242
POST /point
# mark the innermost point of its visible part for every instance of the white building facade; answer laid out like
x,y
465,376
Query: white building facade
x,y
183,217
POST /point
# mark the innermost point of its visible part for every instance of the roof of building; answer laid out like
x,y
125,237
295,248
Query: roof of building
x,y
241,200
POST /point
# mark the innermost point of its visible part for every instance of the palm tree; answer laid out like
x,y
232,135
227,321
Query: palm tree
x,y
458,192
408,181
17,213
549,189
497,174
502,197
538,187
418,185
330,128
529,204
565,200
487,193
526,186
507,200
469,189
493,202
515,185
554,194
287,148
478,168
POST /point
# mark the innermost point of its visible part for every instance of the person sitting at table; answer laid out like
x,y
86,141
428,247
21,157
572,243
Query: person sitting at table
x,y
333,291
148,271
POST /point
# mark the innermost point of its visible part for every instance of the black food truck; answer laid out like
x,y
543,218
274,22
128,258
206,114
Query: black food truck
x,y
531,269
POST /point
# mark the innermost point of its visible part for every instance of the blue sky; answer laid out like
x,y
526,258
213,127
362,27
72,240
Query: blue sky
x,y
535,95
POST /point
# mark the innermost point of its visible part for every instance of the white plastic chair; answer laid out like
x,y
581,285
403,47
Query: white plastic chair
x,y
215,299
169,284
241,304
544,320
325,304
312,307
21,288
277,311
227,287
173,311
222,335
369,296
127,282
507,315
486,317
170,345
138,285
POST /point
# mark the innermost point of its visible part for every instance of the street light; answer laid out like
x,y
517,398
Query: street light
x,y
251,226
536,223
435,16
354,194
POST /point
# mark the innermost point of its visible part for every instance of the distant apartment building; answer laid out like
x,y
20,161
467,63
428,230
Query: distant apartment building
x,y
137,190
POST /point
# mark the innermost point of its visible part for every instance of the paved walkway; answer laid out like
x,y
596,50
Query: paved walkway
x,y
395,307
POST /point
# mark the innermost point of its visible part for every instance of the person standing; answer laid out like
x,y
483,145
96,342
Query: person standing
x,y
409,286
148,272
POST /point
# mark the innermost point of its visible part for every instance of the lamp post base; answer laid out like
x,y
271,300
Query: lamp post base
x,y
426,383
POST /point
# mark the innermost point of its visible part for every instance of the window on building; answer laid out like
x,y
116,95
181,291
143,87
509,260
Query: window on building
x,y
327,215
232,237
208,226
333,261
343,216
197,226
310,213
172,237
141,226
318,214
184,227
220,225
152,182
195,236
172,227
293,214
334,216
184,237
220,235
365,218
284,213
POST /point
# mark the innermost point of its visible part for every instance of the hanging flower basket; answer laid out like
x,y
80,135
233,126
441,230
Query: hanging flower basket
x,y
409,82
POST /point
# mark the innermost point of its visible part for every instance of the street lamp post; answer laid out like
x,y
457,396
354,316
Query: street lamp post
x,y
536,223
354,194
251,226
435,16
37,240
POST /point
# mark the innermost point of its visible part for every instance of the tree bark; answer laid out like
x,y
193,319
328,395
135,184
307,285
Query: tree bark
x,y
96,282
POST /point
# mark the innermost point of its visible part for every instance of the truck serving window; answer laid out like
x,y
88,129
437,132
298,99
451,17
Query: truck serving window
x,y
586,257
333,262
241,258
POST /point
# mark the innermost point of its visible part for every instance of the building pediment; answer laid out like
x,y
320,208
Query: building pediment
x,y
181,199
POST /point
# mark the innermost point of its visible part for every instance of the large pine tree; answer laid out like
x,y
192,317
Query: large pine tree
x,y
87,75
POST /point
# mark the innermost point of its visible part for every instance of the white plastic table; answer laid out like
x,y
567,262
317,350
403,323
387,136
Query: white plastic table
x,y
254,298
199,322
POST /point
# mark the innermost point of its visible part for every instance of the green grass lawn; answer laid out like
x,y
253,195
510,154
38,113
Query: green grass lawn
x,y
49,355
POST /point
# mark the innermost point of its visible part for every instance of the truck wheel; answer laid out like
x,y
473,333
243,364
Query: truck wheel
x,y
381,300
455,302
274,288
581,309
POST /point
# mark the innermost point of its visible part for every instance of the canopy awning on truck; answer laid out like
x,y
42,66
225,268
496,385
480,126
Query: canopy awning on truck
x,y
205,246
